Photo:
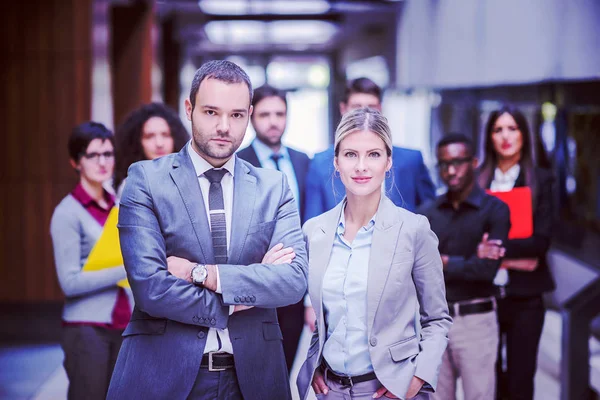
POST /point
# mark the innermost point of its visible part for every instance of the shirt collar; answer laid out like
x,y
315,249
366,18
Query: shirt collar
x,y
510,175
474,198
201,165
342,223
86,200
264,153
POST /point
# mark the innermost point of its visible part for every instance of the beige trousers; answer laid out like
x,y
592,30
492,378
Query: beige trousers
x,y
471,355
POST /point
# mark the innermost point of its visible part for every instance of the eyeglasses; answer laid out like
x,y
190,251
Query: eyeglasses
x,y
108,156
457,162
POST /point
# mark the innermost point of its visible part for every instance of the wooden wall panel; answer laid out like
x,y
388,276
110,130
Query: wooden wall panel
x,y
46,90
131,57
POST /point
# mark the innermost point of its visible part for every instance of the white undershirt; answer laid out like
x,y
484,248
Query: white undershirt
x,y
504,182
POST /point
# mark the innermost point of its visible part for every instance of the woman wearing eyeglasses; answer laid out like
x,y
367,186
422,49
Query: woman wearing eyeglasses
x,y
510,161
148,132
96,310
372,265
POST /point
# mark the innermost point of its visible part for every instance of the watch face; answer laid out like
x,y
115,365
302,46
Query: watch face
x,y
199,274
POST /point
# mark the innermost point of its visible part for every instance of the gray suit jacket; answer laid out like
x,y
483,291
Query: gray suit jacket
x,y
405,274
162,214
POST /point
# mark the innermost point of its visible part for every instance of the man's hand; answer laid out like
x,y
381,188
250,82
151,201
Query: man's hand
x,y
318,383
310,318
180,268
382,391
241,307
416,384
445,260
490,249
278,255
520,264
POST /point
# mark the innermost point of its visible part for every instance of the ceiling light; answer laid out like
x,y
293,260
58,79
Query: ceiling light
x,y
253,7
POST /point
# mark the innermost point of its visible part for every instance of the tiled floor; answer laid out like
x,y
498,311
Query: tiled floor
x,y
25,367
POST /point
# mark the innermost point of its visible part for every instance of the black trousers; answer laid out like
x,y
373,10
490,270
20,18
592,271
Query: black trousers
x,y
521,321
90,356
291,322
216,385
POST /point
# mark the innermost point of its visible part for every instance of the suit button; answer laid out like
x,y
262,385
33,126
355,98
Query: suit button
x,y
247,299
213,321
236,299
201,335
202,319
196,319
252,299
373,341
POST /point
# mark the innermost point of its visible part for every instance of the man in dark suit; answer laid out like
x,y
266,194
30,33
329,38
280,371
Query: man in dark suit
x,y
409,184
269,121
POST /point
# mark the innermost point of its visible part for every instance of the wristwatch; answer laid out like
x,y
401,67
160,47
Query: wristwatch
x,y
199,274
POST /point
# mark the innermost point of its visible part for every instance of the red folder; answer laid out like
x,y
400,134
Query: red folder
x,y
521,211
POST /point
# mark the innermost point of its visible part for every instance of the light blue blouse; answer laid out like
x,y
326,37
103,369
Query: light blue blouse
x,y
346,347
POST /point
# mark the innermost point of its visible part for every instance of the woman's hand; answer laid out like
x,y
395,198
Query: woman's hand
x,y
278,255
416,384
520,264
180,268
318,383
310,318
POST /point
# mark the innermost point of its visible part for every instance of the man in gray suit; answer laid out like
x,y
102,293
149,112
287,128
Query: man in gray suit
x,y
214,334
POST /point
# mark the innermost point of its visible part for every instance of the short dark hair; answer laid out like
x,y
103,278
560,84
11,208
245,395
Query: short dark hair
x,y
129,136
362,85
221,70
267,91
452,138
83,134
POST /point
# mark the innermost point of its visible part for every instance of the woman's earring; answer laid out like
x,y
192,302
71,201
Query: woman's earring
x,y
388,173
336,173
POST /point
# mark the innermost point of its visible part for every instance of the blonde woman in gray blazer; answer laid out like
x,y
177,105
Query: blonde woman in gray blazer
x,y
372,265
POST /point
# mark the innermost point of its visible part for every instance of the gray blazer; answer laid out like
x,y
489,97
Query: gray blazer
x,y
89,296
405,274
162,214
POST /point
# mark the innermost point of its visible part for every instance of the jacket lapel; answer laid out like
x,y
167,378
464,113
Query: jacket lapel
x,y
244,196
319,252
184,176
383,247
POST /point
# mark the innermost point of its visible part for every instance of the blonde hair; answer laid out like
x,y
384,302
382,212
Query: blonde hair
x,y
364,119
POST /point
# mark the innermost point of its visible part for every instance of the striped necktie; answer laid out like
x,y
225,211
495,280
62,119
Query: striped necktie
x,y
216,205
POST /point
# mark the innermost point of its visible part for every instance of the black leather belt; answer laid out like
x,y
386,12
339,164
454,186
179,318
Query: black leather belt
x,y
217,361
471,308
347,380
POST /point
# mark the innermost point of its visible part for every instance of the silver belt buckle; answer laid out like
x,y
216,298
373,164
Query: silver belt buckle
x,y
210,363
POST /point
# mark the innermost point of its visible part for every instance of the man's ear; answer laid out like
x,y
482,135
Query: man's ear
x,y
250,111
74,164
475,162
343,108
188,109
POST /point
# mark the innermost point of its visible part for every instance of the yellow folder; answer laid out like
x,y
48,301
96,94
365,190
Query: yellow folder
x,y
106,253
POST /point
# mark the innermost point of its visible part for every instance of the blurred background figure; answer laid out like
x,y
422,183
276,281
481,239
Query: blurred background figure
x,y
150,131
269,120
408,183
96,311
511,161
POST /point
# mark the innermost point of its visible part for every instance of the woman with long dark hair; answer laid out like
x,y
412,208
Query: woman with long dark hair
x,y
150,131
511,161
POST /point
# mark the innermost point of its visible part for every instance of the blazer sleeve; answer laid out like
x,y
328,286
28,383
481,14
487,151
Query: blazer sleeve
x,y
315,201
272,286
65,231
155,290
425,187
477,269
431,292
537,245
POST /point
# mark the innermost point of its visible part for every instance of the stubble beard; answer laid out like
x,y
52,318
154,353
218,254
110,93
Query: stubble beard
x,y
213,151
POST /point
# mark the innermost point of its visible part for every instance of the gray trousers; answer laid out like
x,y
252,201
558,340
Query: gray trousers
x,y
90,357
216,385
471,355
362,391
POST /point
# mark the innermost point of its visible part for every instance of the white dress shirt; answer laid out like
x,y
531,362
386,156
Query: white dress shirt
x,y
264,153
201,166
504,182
